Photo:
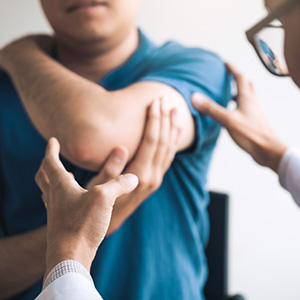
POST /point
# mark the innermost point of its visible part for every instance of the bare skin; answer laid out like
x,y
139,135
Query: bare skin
x,y
66,201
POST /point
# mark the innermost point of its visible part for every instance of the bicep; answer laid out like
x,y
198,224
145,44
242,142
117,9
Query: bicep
x,y
139,96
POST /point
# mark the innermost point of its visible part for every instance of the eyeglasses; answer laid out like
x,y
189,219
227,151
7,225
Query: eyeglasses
x,y
267,38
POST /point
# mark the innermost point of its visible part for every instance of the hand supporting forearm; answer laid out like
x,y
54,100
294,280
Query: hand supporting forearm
x,y
22,261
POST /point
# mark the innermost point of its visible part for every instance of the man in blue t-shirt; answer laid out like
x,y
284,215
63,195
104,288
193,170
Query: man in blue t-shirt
x,y
93,95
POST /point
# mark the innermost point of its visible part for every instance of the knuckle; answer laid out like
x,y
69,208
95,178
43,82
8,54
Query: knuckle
x,y
46,162
100,192
155,183
151,139
230,122
143,181
109,172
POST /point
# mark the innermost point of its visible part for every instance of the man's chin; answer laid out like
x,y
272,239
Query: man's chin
x,y
83,37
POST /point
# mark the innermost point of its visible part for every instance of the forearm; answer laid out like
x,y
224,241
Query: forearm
x,y
58,101
88,120
22,260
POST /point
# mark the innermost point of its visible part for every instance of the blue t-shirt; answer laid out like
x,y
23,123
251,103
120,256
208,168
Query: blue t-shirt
x,y
159,251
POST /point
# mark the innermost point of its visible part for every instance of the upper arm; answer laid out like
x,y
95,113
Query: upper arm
x,y
124,122
175,78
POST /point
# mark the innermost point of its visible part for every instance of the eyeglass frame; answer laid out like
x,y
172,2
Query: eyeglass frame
x,y
275,14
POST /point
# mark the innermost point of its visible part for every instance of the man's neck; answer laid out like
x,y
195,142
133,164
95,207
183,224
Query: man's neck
x,y
94,61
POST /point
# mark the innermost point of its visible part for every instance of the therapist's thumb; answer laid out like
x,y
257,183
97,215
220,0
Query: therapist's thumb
x,y
210,108
117,187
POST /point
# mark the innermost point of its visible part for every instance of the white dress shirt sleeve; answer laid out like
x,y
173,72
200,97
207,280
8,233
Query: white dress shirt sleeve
x,y
69,280
289,173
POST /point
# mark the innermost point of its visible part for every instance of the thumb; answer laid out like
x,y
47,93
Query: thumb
x,y
210,108
117,187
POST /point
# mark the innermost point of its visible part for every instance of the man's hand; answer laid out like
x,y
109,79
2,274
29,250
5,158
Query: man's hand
x,y
247,125
78,219
154,157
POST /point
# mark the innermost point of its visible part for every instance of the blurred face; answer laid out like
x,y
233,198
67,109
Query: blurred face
x,y
291,24
91,20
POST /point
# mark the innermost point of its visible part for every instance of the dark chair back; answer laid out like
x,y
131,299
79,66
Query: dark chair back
x,y
217,249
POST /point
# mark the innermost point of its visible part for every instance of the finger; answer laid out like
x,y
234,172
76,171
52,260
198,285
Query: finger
x,y
210,108
116,187
42,180
114,166
150,139
174,141
243,83
45,200
164,138
51,163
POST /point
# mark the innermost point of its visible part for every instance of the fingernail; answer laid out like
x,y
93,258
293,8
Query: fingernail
x,y
198,99
118,155
156,107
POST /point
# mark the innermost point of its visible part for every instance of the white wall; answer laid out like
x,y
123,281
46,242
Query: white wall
x,y
264,221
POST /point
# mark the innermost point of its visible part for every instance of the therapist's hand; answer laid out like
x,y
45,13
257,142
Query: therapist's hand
x,y
153,158
77,219
247,125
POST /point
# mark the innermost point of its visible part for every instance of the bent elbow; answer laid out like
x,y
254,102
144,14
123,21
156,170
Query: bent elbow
x,y
85,150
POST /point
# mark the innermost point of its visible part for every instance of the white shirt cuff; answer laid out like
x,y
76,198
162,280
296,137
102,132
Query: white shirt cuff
x,y
66,267
289,172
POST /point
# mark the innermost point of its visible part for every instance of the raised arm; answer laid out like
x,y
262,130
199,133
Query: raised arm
x,y
88,120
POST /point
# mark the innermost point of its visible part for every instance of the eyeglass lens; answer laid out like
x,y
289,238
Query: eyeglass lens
x,y
269,43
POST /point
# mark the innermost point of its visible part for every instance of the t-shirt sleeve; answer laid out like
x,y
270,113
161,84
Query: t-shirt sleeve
x,y
189,71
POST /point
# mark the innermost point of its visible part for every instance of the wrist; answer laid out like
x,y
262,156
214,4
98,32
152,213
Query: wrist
x,y
10,53
17,51
274,154
69,250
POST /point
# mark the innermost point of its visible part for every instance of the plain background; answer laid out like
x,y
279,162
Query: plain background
x,y
264,221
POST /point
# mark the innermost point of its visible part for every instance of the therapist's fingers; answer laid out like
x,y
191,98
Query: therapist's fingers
x,y
52,164
245,87
210,108
113,166
42,180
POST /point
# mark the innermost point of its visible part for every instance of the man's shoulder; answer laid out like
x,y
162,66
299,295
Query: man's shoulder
x,y
174,52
